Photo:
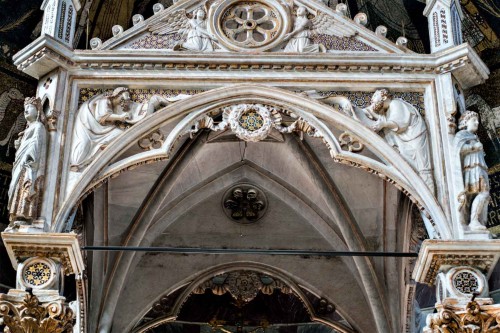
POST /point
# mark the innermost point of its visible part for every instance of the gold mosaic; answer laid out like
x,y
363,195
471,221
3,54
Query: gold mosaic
x,y
37,274
251,121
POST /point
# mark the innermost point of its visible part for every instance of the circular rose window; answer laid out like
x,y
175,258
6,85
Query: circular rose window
x,y
249,25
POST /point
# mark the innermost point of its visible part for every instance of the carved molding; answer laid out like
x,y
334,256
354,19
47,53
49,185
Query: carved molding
x,y
440,256
62,248
32,316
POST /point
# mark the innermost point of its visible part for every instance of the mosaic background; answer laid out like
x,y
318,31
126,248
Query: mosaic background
x,y
156,42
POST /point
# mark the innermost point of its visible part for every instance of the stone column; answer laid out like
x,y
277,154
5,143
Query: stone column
x,y
460,272
444,24
42,261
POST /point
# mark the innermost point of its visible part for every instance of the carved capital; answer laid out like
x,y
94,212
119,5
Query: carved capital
x,y
30,315
474,318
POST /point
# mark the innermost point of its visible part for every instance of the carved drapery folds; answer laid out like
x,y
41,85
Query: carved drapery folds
x,y
474,199
28,172
104,117
397,121
29,315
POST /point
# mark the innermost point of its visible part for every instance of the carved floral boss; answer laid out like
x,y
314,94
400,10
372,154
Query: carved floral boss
x,y
250,25
244,203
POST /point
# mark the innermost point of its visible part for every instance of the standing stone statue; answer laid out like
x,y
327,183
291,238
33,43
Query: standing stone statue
x,y
476,195
404,128
102,118
25,190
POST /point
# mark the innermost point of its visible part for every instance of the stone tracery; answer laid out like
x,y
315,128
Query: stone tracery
x,y
254,116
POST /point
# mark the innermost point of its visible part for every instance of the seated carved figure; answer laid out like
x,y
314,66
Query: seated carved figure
x,y
25,189
476,195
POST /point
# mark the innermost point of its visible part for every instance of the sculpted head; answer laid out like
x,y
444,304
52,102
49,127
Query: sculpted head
x,y
470,121
301,11
121,96
200,14
379,98
32,109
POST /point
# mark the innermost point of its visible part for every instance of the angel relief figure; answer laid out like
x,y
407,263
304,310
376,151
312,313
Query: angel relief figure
x,y
299,40
194,31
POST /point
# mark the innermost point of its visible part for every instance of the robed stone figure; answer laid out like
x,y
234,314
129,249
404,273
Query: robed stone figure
x,y
404,128
25,190
476,194
104,117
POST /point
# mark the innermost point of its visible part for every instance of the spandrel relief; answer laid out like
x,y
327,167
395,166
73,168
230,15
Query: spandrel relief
x,y
26,187
249,26
397,121
475,196
105,116
192,31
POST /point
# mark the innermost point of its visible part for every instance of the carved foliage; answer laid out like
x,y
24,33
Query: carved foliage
x,y
243,286
472,320
30,316
254,122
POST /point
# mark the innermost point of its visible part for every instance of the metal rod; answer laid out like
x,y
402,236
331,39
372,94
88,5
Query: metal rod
x,y
184,250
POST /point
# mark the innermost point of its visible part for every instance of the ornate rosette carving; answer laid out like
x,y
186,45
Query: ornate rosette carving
x,y
38,273
244,203
251,26
250,122
466,281
243,286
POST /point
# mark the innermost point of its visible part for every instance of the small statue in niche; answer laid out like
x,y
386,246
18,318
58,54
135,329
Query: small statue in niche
x,y
476,195
102,118
25,190
194,31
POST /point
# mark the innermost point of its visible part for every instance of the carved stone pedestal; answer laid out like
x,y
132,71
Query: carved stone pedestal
x,y
460,271
41,261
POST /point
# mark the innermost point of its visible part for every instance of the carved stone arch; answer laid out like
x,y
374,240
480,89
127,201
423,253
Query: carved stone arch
x,y
139,230
396,169
296,285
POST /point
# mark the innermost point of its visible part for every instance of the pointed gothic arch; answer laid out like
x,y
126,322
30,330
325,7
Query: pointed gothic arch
x,y
396,169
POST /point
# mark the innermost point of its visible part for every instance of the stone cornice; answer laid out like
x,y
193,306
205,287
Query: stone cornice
x,y
63,247
436,255
42,56
45,54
